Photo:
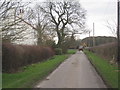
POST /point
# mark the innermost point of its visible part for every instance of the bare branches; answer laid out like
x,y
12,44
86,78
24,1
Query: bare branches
x,y
11,26
26,22
63,14
113,28
49,18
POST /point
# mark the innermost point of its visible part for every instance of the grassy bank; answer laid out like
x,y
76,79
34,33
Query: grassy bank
x,y
32,73
108,71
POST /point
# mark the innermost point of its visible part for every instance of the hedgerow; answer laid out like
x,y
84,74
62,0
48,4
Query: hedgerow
x,y
108,51
16,56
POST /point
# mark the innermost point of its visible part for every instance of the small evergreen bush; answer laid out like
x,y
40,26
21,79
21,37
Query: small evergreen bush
x,y
58,51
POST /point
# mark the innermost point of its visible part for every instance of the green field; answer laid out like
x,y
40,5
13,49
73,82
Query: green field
x,y
108,71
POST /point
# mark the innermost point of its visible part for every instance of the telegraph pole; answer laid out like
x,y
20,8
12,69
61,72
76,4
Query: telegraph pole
x,y
118,31
89,39
93,35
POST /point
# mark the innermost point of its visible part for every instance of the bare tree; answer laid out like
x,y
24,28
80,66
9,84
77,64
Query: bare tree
x,y
113,28
38,20
10,26
64,15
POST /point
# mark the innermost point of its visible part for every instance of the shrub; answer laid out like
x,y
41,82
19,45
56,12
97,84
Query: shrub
x,y
16,56
65,47
58,51
64,50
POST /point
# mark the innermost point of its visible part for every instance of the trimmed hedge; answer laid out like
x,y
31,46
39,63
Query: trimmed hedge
x,y
16,56
108,51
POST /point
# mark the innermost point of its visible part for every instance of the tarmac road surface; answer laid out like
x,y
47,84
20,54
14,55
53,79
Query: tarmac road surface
x,y
74,72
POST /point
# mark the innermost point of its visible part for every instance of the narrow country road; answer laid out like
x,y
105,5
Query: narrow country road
x,y
75,72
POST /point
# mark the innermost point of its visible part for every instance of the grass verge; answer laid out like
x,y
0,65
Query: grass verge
x,y
71,51
31,73
107,71
0,80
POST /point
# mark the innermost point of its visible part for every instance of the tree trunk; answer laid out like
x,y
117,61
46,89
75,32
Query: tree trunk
x,y
59,40
39,41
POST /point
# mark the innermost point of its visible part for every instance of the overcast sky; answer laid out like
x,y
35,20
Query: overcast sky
x,y
99,12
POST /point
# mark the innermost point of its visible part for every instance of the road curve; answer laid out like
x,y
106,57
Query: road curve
x,y
75,72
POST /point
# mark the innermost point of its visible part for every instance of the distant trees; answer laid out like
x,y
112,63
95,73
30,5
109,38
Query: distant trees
x,y
98,40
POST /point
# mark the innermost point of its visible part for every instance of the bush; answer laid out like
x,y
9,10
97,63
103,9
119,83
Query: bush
x,y
65,47
64,50
58,51
16,56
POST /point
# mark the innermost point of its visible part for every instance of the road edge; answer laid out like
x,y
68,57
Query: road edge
x,y
46,77
104,81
